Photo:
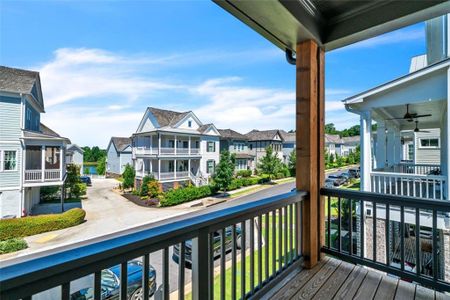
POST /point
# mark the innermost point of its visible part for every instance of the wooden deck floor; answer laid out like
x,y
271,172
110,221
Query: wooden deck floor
x,y
335,279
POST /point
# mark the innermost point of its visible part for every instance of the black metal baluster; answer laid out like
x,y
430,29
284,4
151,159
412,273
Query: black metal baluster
x,y
374,231
233,262
211,265
280,239
97,284
361,229
252,255
222,264
123,280
145,277
65,291
297,230
417,231
291,233
350,226
285,218
329,222
402,238
165,274
435,246
243,274
181,266
259,251
387,231
339,226
274,242
266,246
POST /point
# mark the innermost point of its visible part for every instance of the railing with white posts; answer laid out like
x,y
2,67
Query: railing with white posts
x,y
400,184
165,151
421,169
36,175
145,150
172,175
265,234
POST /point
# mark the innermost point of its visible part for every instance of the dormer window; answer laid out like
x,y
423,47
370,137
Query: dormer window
x,y
189,123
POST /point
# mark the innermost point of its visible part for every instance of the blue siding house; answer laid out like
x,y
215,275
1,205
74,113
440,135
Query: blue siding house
x,y
31,154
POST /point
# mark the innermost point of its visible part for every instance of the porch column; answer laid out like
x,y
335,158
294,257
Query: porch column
x,y
175,168
175,145
42,163
159,144
61,160
189,145
390,155
151,166
310,107
151,144
159,169
189,166
381,145
366,153
143,167
397,146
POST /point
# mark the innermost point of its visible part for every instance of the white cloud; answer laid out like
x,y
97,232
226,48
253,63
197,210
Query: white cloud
x,y
395,37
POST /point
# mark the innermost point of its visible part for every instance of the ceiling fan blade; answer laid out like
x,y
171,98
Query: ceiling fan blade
x,y
401,118
421,116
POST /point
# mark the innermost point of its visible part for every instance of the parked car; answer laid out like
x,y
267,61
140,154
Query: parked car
x,y
86,179
355,173
82,288
329,183
337,180
217,242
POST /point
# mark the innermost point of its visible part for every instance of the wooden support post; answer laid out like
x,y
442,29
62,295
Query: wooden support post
x,y
310,102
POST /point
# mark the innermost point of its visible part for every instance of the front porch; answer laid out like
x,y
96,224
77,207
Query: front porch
x,y
159,144
44,164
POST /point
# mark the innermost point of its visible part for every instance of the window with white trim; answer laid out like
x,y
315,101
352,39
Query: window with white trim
x,y
210,166
9,160
211,147
429,142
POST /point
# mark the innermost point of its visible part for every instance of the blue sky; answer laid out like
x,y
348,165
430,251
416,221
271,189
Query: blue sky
x,y
103,62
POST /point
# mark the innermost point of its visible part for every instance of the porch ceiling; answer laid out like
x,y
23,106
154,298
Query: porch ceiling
x,y
435,108
332,24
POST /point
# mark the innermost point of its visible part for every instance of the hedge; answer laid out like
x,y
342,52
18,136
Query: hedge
x,y
186,194
246,181
12,245
244,173
26,226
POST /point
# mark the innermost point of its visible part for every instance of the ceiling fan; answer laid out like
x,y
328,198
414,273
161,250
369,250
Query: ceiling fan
x,y
410,116
417,128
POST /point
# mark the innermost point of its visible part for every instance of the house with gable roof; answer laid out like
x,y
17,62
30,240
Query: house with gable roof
x,y
174,147
259,140
118,155
237,144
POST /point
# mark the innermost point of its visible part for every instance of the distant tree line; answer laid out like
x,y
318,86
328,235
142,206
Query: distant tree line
x,y
94,154
352,131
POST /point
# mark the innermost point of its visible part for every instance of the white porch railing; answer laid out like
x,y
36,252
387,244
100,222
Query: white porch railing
x,y
410,168
417,185
145,150
36,175
165,151
172,175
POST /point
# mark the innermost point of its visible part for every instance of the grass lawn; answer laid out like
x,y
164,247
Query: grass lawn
x,y
268,246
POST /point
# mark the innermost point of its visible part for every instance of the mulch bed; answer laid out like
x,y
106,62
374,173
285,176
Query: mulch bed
x,y
138,201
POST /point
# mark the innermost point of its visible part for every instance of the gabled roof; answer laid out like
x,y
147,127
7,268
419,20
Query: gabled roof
x,y
288,137
43,133
332,138
72,147
231,134
351,140
167,117
21,82
263,135
120,143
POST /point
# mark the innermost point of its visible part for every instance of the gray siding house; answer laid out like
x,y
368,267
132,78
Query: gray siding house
x,y
288,144
31,154
75,155
118,155
259,140
237,144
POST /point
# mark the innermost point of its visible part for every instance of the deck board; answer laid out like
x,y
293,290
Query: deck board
x,y
331,286
336,279
405,290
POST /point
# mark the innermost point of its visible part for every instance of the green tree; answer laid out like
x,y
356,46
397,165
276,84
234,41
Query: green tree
x,y
330,129
224,171
144,186
270,164
292,162
128,177
72,179
101,167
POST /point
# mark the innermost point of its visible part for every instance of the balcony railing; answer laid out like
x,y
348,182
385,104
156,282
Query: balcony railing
x,y
409,185
392,234
36,175
165,151
266,231
421,169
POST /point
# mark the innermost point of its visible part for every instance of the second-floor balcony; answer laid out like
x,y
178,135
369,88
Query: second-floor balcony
x,y
143,151
43,164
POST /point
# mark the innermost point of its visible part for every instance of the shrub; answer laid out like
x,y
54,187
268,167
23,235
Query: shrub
x,y
244,173
101,167
79,189
128,177
186,194
153,189
264,179
49,193
26,226
144,186
12,245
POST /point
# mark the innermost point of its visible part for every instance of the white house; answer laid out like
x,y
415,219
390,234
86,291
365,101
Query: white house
x,y
31,154
74,155
175,147
118,155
